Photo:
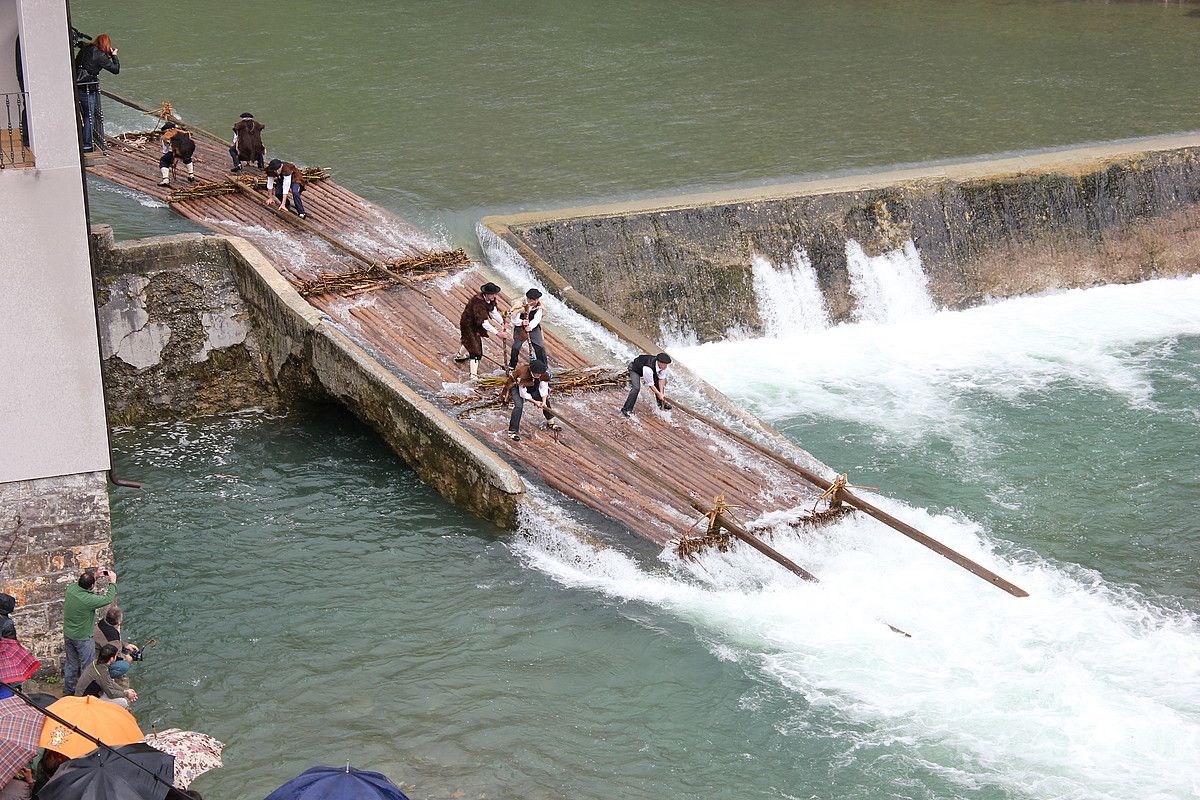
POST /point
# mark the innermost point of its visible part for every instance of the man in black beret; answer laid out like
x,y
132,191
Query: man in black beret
x,y
526,321
479,320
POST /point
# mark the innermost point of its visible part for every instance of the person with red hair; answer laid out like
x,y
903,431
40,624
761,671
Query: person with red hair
x,y
92,57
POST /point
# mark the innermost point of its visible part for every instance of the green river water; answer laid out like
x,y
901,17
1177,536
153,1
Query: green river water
x,y
315,603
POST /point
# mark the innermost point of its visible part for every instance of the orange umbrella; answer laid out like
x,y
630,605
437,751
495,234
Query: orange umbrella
x,y
108,722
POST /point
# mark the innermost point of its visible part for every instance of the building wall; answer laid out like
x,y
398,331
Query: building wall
x,y
51,400
8,43
54,519
50,530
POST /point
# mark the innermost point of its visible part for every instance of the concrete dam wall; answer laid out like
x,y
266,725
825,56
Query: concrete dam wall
x,y
684,266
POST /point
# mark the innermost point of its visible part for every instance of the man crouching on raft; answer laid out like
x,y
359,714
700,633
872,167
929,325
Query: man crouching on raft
x,y
479,320
652,371
529,382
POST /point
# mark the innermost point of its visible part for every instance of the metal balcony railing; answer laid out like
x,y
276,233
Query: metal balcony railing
x,y
14,131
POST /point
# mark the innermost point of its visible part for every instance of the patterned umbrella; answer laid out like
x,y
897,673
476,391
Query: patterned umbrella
x,y
195,753
16,663
20,727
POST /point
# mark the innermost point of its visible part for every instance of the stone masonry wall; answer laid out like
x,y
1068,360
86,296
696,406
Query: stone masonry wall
x,y
175,336
51,529
983,230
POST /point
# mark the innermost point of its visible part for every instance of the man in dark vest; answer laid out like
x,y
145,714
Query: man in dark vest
x,y
652,371
529,382
526,321
291,184
176,144
247,142
479,320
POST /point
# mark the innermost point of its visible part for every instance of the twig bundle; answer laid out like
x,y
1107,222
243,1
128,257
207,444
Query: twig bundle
x,y
310,174
421,267
202,190
568,381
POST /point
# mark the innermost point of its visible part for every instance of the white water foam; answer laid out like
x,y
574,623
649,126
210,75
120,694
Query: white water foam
x,y
889,288
907,378
788,296
1077,691
1081,690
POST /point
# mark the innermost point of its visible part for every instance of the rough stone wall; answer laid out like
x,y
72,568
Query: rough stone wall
x,y
51,529
991,235
175,336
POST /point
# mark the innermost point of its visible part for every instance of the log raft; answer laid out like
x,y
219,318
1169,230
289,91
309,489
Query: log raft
x,y
654,474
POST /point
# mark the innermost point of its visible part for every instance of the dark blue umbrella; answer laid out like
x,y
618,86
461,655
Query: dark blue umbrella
x,y
104,775
338,783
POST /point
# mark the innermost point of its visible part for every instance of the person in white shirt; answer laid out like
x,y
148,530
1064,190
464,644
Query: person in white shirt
x,y
526,321
529,382
651,371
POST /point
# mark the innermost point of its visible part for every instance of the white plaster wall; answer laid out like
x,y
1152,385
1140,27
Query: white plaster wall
x,y
8,44
51,396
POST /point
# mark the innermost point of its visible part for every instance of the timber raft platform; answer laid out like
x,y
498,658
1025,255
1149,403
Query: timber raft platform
x,y
657,475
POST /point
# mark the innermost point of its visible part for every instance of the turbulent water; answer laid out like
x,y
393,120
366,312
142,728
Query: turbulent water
x,y
316,604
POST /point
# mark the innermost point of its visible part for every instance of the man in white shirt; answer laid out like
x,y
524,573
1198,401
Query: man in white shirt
x,y
651,371
526,321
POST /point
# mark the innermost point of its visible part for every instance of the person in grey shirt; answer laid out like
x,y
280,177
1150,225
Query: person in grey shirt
x,y
96,682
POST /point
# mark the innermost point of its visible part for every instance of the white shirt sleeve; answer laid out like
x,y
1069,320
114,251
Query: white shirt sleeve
x,y
287,184
489,327
270,184
534,319
514,318
543,389
648,376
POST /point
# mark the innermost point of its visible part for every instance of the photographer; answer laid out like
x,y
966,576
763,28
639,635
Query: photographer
x,y
79,618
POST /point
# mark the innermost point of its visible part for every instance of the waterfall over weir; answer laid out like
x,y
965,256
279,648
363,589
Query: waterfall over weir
x,y
789,298
890,287
887,288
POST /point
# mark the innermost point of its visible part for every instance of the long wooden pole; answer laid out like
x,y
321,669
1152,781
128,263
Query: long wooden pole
x,y
724,519
862,505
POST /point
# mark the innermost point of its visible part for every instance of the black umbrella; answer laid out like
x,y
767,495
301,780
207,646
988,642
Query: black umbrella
x,y
105,775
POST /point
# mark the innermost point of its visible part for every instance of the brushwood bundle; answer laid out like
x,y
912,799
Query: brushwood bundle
x,y
564,382
380,275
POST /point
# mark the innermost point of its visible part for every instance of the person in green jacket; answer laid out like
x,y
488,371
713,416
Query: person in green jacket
x,y
79,618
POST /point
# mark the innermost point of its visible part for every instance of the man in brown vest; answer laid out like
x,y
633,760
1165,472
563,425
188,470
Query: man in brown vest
x,y
529,382
479,320
291,182
247,142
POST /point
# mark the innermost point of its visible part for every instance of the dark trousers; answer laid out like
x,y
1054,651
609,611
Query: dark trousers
x,y
514,421
237,162
296,190
168,158
536,343
635,387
